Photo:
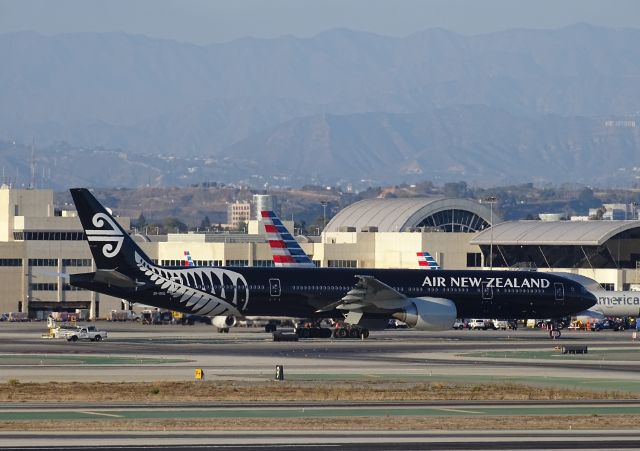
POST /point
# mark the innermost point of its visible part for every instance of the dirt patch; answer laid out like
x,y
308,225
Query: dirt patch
x,y
15,391
344,423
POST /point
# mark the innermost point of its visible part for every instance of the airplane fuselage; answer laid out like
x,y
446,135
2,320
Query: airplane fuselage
x,y
301,292
618,303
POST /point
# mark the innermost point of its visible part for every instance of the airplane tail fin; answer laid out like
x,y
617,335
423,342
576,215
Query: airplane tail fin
x,y
426,261
188,261
111,246
286,250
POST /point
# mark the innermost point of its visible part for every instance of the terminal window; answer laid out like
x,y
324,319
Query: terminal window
x,y
44,286
48,236
43,262
10,262
342,263
474,259
76,262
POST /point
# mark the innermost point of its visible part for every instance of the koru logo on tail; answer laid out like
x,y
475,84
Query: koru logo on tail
x,y
112,238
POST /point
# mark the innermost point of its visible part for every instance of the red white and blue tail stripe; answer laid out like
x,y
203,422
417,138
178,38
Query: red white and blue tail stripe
x,y
188,261
286,250
426,261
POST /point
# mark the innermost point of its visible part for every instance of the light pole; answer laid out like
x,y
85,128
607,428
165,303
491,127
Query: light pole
x,y
324,214
491,200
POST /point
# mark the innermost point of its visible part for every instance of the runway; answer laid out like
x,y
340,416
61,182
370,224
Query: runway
x,y
136,353
173,352
327,440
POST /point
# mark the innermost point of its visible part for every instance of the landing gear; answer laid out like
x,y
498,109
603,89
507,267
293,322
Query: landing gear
x,y
313,332
554,330
350,331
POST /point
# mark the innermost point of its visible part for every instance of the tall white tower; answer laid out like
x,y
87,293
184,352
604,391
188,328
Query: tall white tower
x,y
262,202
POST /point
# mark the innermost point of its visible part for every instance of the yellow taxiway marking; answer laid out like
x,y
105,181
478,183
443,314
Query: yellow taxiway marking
x,y
102,414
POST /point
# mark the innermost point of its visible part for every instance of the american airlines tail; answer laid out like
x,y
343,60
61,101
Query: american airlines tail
x,y
188,261
426,261
284,247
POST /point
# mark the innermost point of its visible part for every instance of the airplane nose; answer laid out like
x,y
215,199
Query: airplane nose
x,y
587,298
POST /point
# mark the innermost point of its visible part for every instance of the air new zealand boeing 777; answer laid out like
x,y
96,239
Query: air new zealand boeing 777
x,y
368,298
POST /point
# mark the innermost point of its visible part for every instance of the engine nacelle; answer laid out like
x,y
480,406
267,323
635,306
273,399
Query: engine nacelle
x,y
433,314
224,322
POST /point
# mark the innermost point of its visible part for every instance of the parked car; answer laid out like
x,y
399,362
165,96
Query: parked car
x,y
396,324
500,324
483,324
505,324
460,324
610,324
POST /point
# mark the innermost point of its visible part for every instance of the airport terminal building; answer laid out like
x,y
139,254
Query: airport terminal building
x,y
38,244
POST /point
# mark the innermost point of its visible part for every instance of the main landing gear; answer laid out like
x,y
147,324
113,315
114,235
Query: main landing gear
x,y
350,331
311,330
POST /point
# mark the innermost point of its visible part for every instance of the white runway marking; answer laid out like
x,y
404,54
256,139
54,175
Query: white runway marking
x,y
462,411
101,414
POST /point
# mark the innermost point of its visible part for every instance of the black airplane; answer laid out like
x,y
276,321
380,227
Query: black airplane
x,y
367,298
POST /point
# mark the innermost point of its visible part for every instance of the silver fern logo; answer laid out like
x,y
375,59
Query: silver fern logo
x,y
112,237
205,291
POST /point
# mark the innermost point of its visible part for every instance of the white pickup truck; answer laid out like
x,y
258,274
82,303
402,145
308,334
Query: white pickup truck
x,y
85,333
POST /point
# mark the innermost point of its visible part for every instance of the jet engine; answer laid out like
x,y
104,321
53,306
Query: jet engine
x,y
224,322
432,314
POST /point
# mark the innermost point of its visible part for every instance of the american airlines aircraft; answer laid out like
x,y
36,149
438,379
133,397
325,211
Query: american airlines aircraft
x,y
610,303
368,298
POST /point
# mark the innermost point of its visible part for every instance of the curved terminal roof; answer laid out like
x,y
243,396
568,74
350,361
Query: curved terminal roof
x,y
401,215
557,233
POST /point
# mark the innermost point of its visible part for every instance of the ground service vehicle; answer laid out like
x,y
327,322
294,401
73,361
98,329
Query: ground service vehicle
x,y
85,333
483,324
460,324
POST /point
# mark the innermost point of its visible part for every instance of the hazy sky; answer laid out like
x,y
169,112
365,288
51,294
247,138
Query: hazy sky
x,y
208,21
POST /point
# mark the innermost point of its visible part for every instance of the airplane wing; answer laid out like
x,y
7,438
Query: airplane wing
x,y
369,295
371,303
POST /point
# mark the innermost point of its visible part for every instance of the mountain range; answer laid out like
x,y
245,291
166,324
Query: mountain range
x,y
342,106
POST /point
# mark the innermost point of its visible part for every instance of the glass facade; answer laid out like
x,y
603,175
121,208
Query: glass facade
x,y
454,220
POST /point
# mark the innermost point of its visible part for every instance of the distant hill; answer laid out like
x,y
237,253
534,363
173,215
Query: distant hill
x,y
350,104
478,144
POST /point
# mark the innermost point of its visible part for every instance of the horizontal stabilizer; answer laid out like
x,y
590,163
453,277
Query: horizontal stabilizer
x,y
62,275
115,278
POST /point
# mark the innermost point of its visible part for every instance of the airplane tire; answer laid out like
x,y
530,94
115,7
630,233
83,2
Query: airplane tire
x,y
342,333
555,333
354,333
364,333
